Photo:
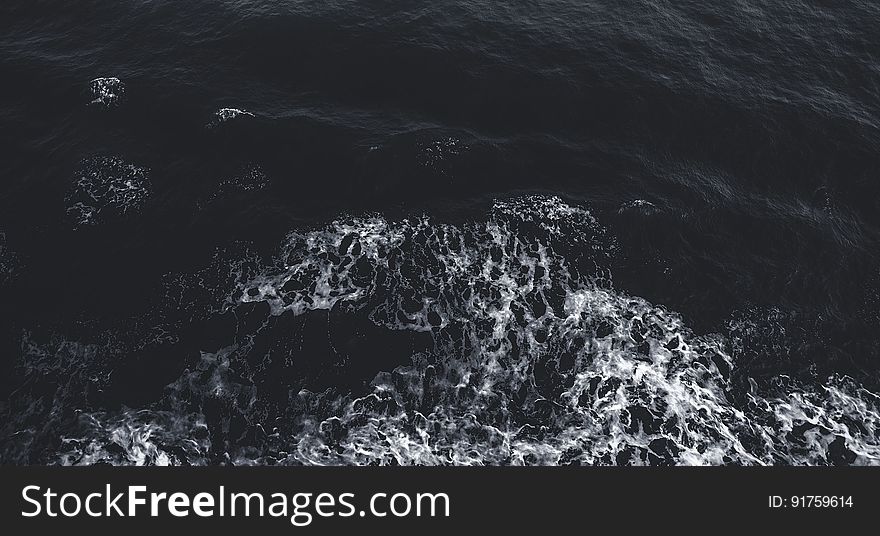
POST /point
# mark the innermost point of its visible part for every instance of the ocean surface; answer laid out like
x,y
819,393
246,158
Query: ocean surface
x,y
567,232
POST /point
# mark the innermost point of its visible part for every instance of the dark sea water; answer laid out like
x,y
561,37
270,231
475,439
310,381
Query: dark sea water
x,y
450,232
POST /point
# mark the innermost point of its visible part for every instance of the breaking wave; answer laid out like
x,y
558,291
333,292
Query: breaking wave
x,y
533,358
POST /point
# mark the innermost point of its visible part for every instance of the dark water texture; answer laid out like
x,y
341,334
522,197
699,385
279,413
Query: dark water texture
x,y
715,159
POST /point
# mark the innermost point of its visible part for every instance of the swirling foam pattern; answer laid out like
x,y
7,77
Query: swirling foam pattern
x,y
535,359
107,189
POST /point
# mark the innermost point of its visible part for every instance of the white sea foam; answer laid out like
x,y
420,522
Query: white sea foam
x,y
224,115
107,92
535,360
639,205
107,188
138,438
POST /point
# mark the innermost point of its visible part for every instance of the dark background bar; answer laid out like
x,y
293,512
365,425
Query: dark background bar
x,y
511,500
